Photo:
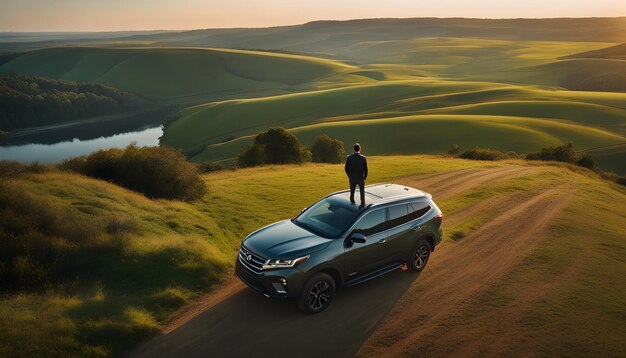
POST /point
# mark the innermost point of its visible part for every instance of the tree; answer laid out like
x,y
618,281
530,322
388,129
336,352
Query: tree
x,y
274,146
328,150
252,156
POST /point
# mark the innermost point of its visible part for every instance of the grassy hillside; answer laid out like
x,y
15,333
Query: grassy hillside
x,y
434,134
418,116
214,122
181,75
595,74
139,259
617,52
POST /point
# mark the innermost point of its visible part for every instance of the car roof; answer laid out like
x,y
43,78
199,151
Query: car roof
x,y
378,194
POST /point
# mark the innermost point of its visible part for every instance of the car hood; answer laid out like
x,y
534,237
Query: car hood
x,y
284,240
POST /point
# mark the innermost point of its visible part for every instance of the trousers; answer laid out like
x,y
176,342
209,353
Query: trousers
x,y
361,185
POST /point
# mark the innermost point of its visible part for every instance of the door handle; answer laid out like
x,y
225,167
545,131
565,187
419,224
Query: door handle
x,y
415,228
382,241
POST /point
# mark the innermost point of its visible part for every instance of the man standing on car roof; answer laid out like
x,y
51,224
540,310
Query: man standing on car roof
x,y
356,169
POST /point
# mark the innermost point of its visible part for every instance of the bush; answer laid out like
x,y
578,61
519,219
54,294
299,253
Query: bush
x,y
564,153
210,167
157,172
586,161
274,146
328,150
252,156
11,168
454,150
621,180
485,154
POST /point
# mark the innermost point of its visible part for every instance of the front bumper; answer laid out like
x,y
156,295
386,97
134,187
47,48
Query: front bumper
x,y
269,282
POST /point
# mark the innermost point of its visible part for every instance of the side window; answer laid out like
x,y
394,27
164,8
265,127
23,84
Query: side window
x,y
398,215
370,224
419,209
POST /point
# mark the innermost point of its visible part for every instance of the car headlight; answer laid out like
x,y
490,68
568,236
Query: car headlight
x,y
283,263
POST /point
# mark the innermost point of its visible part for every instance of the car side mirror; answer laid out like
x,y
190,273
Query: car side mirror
x,y
358,238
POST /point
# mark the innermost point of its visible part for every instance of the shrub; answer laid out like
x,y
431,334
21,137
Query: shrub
x,y
274,146
210,167
12,168
586,161
157,172
564,153
485,154
454,150
328,150
621,180
252,156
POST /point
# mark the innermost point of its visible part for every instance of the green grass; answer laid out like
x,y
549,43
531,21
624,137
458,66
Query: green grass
x,y
162,254
182,75
596,74
214,122
108,263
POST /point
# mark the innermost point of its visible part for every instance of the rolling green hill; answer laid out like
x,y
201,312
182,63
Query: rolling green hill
x,y
183,75
428,116
593,74
217,121
617,52
434,134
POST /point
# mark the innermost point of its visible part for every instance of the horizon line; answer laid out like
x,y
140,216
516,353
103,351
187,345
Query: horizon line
x,y
310,22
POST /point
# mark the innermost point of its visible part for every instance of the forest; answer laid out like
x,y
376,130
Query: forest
x,y
27,101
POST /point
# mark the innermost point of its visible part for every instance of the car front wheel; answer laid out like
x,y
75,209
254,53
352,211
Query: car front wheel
x,y
317,293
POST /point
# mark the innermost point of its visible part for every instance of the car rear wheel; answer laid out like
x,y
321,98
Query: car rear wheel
x,y
317,293
420,256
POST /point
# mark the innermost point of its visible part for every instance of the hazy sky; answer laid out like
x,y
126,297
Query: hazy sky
x,y
103,15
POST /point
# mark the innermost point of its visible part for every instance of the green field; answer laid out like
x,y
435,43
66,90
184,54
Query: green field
x,y
184,75
145,258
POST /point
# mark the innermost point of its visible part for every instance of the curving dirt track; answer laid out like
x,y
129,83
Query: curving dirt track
x,y
394,315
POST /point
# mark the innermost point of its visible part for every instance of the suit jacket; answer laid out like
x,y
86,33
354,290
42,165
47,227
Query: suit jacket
x,y
356,167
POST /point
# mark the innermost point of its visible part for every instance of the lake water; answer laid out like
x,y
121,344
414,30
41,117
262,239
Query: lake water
x,y
57,152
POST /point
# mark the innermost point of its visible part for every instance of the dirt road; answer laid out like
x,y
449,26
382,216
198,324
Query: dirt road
x,y
399,314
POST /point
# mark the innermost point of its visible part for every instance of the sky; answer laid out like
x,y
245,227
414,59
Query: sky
x,y
111,15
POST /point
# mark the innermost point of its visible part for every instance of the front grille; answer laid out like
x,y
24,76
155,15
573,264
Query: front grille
x,y
256,262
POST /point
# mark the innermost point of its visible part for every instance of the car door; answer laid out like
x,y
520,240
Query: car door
x,y
361,258
398,231
404,227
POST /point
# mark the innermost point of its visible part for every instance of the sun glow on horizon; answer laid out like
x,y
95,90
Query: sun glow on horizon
x,y
117,15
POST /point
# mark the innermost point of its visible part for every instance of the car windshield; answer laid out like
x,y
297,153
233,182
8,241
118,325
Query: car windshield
x,y
329,217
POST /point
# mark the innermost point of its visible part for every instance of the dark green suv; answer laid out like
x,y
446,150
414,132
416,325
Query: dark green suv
x,y
335,243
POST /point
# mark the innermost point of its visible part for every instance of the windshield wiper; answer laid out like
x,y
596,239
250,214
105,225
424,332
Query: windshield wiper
x,y
309,228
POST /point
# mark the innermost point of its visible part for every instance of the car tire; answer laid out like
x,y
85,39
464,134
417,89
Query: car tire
x,y
419,256
317,293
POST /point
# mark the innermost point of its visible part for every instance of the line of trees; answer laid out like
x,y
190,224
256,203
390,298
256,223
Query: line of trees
x,y
278,146
32,101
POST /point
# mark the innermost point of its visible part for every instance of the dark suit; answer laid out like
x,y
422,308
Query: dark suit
x,y
356,169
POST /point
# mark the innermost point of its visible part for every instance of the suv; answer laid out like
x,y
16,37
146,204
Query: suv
x,y
335,243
